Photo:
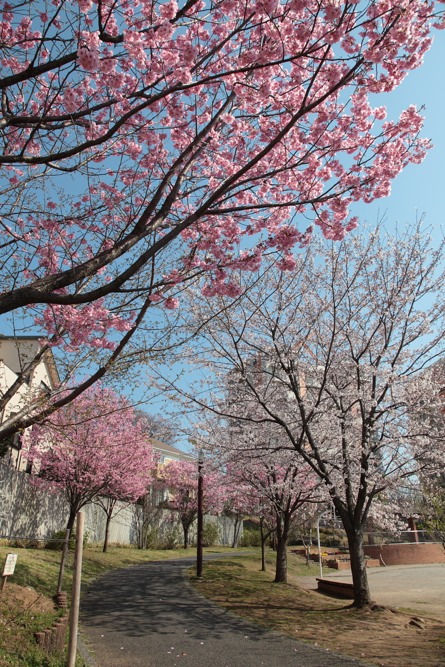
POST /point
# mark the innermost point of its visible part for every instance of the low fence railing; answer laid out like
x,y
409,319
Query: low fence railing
x,y
403,537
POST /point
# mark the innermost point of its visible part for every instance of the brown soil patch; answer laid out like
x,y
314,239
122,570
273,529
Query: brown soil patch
x,y
385,638
23,611
21,598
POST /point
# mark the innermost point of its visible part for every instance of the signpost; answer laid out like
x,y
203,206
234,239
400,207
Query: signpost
x,y
8,569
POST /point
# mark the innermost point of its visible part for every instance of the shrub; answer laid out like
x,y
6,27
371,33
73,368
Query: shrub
x,y
57,539
152,538
18,543
170,538
210,534
250,538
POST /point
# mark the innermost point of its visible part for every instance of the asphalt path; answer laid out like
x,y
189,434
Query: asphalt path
x,y
149,616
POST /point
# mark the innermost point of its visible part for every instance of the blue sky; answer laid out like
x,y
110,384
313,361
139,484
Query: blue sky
x,y
419,189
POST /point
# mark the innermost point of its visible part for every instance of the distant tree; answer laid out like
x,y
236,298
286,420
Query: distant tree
x,y
147,519
179,479
158,427
280,487
93,447
241,503
129,484
433,507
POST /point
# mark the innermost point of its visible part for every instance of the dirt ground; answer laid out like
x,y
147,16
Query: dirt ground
x,y
20,597
21,610
387,637
411,630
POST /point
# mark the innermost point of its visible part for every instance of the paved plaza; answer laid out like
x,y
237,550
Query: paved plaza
x,y
417,587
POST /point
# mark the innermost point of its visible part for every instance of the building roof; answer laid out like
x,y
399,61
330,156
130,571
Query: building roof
x,y
173,451
26,348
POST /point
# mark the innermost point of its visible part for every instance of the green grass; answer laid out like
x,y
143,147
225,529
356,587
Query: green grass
x,y
29,609
39,568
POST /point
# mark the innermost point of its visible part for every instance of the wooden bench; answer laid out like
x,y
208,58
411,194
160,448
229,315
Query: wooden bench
x,y
339,588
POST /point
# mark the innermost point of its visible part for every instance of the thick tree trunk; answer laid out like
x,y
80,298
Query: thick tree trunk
x,y
186,536
281,538
281,560
362,595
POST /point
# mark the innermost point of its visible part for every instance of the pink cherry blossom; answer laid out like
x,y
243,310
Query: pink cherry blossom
x,y
88,60
194,141
180,480
94,447
171,303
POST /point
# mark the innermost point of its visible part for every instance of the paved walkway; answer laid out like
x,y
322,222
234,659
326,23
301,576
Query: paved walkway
x,y
149,616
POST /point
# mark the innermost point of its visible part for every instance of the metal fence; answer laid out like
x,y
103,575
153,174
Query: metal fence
x,y
403,537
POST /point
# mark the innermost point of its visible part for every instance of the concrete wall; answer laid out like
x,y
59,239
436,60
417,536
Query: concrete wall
x,y
30,513
407,554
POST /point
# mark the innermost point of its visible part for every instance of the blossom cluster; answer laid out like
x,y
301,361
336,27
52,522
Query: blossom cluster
x,y
203,127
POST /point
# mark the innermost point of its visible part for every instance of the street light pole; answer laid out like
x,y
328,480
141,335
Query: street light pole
x,y
200,516
320,558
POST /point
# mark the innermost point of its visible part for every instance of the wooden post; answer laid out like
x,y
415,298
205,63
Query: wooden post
x,y
75,595
200,518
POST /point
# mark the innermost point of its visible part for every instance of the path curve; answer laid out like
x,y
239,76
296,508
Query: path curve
x,y
149,616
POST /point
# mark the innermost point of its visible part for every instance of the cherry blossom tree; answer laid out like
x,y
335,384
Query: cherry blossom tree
x,y
432,506
179,479
339,356
129,485
284,486
93,447
242,502
140,142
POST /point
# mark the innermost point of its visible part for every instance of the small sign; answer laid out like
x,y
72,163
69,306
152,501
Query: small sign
x,y
9,566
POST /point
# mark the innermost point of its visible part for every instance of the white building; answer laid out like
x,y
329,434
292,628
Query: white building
x,y
30,382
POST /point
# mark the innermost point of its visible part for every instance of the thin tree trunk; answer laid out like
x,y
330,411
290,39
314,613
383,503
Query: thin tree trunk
x,y
236,532
263,546
66,546
107,532
186,536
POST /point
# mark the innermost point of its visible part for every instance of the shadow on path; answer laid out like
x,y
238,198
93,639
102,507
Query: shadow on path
x,y
149,616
